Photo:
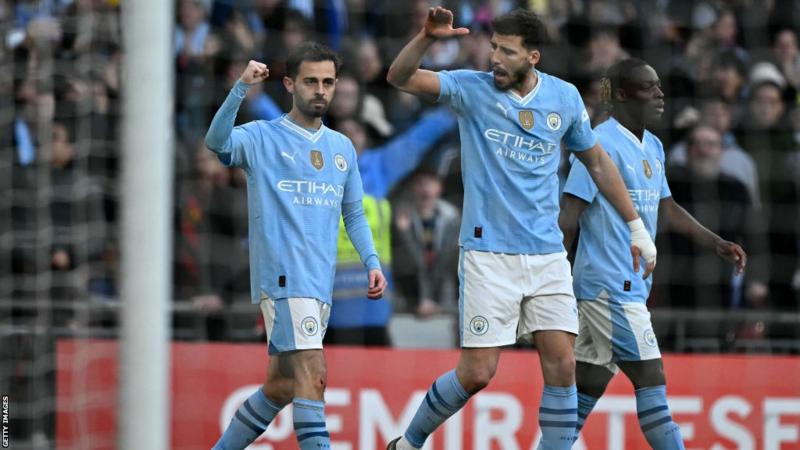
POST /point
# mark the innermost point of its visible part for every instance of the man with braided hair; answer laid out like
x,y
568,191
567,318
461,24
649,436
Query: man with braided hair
x,y
615,329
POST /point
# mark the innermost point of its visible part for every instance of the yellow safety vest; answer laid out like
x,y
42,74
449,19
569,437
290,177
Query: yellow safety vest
x,y
379,217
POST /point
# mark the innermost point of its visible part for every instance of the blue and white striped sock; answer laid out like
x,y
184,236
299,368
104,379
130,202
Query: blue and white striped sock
x,y
585,405
445,397
249,422
558,417
309,424
655,419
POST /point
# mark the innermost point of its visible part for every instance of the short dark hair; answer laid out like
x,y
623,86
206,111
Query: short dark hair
x,y
616,76
310,51
524,23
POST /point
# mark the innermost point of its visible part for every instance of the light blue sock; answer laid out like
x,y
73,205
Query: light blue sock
x,y
558,417
585,405
309,424
655,419
445,397
249,421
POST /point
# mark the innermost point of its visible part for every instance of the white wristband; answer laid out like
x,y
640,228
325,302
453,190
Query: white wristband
x,y
641,239
636,224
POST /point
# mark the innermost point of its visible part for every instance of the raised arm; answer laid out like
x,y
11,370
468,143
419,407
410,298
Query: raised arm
x,y
231,145
681,221
609,182
405,73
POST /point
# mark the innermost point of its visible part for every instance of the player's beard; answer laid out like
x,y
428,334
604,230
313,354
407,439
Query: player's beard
x,y
515,79
309,108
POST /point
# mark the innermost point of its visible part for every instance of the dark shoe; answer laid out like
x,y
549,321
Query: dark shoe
x,y
393,445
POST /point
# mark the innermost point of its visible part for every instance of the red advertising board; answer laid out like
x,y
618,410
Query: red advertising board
x,y
720,402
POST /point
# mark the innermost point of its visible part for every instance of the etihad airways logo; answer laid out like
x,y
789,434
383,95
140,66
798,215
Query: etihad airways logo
x,y
312,193
516,147
645,200
522,142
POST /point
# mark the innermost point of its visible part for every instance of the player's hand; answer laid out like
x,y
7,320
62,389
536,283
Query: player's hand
x,y
439,24
254,73
642,246
732,252
377,284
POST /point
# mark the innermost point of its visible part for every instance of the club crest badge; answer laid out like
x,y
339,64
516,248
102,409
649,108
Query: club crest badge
x,y
478,325
554,121
340,162
310,326
650,338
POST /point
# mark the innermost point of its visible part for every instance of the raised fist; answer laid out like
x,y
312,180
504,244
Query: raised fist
x,y
254,73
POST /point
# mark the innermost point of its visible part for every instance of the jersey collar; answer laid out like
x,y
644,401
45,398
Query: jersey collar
x,y
313,137
525,100
628,134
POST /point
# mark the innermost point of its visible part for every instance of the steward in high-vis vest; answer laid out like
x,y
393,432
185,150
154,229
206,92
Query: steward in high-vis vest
x,y
356,320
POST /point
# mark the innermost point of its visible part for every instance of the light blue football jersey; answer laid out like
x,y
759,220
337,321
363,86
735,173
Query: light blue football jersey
x,y
297,181
603,260
510,150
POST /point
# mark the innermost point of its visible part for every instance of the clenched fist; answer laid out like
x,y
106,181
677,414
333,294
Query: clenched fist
x,y
254,73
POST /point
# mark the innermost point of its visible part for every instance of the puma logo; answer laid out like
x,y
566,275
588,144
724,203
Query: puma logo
x,y
630,167
289,157
502,108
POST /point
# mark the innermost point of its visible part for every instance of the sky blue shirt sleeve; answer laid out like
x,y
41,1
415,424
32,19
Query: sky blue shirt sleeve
x,y
665,192
579,182
360,235
579,135
234,147
384,166
451,92
353,188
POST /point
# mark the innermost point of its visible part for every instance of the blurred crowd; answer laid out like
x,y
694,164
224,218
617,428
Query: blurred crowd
x,y
730,70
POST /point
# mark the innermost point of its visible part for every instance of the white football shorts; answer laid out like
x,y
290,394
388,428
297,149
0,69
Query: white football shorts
x,y
612,331
295,323
504,297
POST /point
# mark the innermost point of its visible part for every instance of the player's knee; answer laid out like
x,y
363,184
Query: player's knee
x,y
478,377
309,368
322,378
562,364
645,374
318,376
649,378
559,370
279,392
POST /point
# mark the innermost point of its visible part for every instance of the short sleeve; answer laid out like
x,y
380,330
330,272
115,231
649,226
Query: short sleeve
x,y
353,189
662,160
579,135
665,192
451,88
579,182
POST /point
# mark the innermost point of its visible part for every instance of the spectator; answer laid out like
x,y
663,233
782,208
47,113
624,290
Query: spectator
x,y
427,248
786,55
766,134
201,269
196,46
734,162
694,278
